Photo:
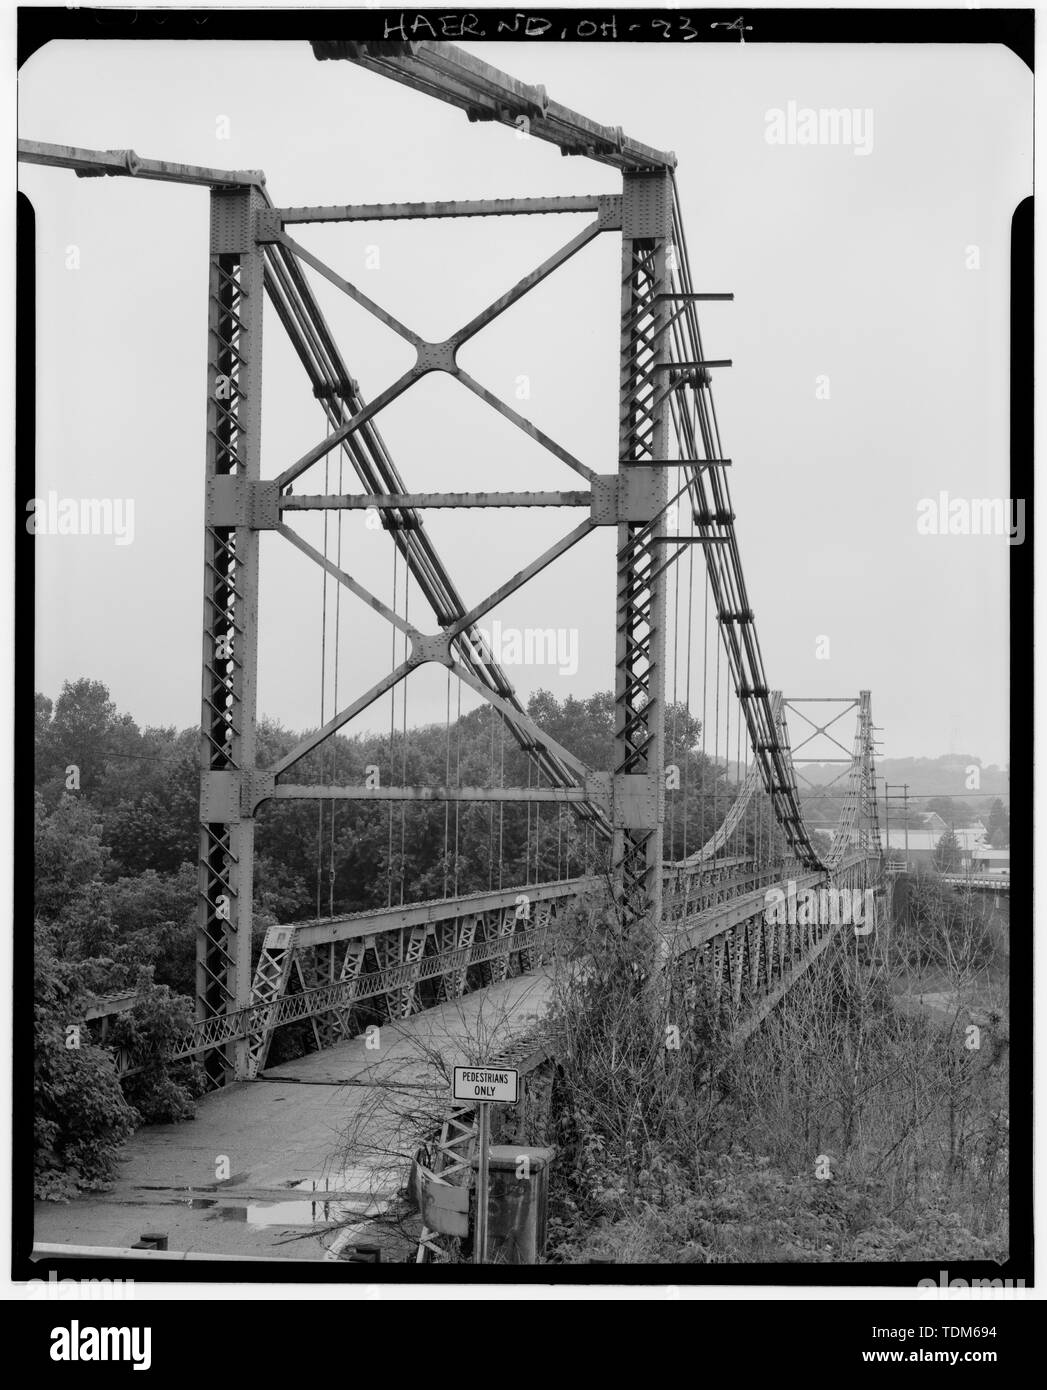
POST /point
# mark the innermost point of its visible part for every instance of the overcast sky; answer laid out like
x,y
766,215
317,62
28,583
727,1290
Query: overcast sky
x,y
848,266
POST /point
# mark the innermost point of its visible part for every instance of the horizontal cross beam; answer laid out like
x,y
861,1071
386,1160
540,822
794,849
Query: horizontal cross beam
x,y
692,366
384,919
96,163
478,207
388,501
484,92
292,791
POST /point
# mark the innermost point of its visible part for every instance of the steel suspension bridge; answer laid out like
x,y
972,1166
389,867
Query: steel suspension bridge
x,y
707,908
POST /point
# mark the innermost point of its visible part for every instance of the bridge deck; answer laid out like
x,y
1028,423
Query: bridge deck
x,y
285,1132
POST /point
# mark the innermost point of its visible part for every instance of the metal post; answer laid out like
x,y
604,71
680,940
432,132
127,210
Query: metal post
x,y
638,784
230,651
905,789
483,1184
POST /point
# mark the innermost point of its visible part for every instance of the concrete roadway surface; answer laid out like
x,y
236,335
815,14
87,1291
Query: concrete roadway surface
x,y
313,1142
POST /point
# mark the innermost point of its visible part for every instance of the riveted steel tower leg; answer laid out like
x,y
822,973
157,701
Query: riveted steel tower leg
x,y
227,743
638,786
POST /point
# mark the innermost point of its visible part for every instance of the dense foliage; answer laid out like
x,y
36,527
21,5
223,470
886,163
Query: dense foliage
x,y
848,1128
97,932
115,836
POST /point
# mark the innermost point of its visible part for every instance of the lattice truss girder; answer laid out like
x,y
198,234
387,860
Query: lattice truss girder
x,y
464,949
459,644
736,965
383,970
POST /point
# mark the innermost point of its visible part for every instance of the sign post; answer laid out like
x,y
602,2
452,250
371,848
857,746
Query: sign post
x,y
485,1086
483,1186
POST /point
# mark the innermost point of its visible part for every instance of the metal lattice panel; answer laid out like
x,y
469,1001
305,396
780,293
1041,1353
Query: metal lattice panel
x,y
229,636
640,628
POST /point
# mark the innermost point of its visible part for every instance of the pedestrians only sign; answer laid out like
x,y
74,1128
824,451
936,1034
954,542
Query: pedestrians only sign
x,y
486,1084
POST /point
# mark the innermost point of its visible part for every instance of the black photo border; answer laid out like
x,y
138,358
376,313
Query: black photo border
x,y
1012,28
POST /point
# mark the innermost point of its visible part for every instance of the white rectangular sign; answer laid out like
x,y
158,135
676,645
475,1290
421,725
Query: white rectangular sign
x,y
486,1083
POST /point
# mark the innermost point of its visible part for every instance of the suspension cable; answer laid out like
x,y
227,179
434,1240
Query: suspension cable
x,y
711,490
457,780
687,686
676,666
738,779
403,764
705,726
501,810
527,842
323,692
716,723
392,739
337,662
490,830
447,777
726,744
537,829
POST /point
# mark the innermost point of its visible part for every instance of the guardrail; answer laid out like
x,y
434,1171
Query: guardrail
x,y
470,942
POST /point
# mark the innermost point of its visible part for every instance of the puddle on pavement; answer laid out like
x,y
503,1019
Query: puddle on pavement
x,y
333,1198
318,1201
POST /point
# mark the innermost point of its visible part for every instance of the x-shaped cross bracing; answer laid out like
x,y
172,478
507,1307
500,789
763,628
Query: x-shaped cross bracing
x,y
439,356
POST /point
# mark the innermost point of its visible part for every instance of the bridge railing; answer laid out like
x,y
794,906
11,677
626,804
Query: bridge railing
x,y
477,940
1000,882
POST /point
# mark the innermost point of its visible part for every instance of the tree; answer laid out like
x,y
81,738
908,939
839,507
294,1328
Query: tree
x,y
69,860
161,1091
80,1115
947,853
999,826
80,732
95,937
154,921
150,798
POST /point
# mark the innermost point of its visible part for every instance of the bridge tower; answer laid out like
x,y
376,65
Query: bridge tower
x,y
230,616
252,254
638,782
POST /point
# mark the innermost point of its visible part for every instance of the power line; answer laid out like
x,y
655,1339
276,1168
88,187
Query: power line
x,y
813,793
